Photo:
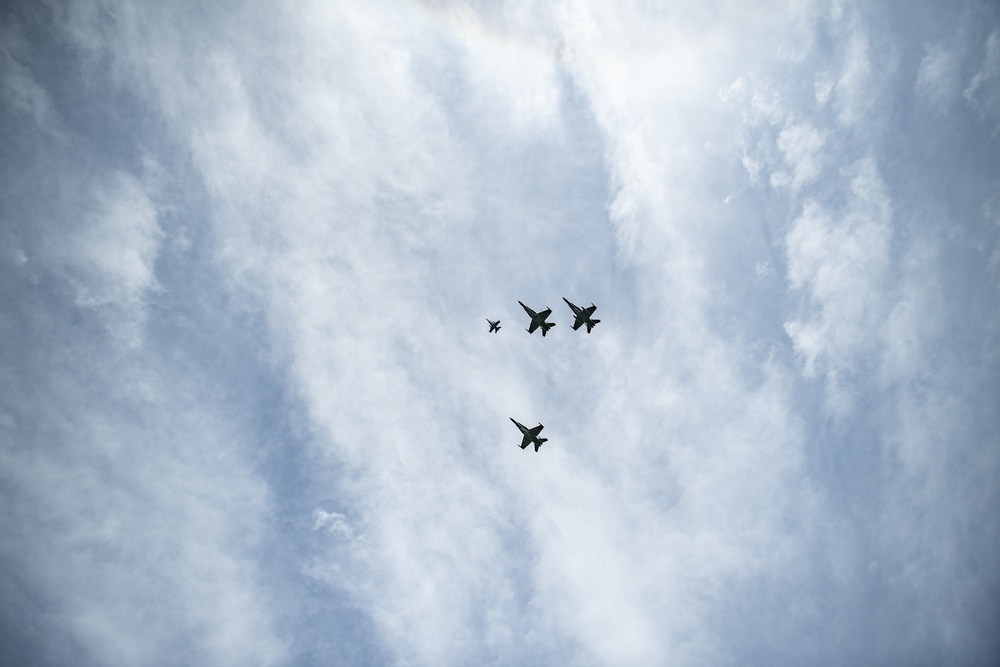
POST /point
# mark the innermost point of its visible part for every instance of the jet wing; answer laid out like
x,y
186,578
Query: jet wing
x,y
525,441
536,430
589,311
545,313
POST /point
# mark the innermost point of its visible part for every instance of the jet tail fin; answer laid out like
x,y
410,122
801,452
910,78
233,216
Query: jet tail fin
x,y
591,325
546,326
539,443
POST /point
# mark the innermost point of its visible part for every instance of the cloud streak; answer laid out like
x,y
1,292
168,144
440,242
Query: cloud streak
x,y
283,428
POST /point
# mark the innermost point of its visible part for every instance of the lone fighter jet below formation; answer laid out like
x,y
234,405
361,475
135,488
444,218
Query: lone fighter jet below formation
x,y
494,326
538,319
582,315
530,435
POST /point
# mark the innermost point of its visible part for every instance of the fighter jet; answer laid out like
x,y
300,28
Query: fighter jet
x,y
494,326
530,435
582,315
538,319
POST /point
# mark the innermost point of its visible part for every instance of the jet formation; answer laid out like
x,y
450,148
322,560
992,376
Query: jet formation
x,y
582,316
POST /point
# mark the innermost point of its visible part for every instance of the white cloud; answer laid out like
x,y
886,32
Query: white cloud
x,y
377,178
800,145
937,78
852,91
510,67
131,507
115,246
981,93
863,64
332,522
841,262
108,254
761,107
823,90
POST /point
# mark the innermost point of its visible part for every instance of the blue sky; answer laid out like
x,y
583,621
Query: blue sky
x,y
251,413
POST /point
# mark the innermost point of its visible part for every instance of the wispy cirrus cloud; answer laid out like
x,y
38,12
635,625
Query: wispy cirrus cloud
x,y
304,455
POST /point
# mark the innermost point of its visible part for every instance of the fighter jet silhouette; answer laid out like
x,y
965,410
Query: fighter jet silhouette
x,y
530,435
538,319
582,315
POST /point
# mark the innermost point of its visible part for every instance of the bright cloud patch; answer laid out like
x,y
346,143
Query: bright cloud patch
x,y
841,261
800,145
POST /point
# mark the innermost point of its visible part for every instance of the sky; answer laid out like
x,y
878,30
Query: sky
x,y
251,413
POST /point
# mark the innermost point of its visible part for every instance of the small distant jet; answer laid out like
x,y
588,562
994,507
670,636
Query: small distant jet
x,y
538,319
582,315
494,326
530,435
